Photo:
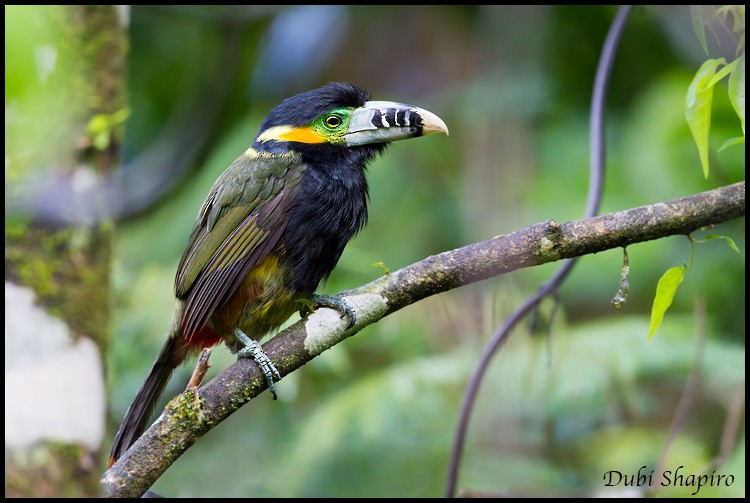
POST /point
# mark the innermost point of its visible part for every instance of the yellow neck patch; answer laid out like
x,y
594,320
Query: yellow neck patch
x,y
302,134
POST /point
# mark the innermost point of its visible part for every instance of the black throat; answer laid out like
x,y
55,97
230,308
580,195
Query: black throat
x,y
330,208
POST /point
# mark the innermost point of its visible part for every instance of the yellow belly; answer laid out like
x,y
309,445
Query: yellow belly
x,y
260,305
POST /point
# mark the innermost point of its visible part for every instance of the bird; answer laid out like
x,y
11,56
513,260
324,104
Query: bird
x,y
272,228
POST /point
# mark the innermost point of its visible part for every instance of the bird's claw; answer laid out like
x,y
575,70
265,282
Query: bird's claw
x,y
334,302
253,350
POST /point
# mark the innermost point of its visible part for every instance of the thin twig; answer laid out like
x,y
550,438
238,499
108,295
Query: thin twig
x,y
594,198
200,370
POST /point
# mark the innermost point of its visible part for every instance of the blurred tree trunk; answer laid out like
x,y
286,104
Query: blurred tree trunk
x,y
65,103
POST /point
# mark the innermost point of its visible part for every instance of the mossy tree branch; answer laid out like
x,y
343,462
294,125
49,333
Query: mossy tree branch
x,y
183,422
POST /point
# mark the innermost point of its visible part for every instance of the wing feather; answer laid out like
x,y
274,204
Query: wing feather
x,y
236,229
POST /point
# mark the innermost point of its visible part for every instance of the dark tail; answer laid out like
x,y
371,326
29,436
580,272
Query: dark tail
x,y
136,418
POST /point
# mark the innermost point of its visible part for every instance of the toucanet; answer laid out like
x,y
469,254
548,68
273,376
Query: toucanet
x,y
272,229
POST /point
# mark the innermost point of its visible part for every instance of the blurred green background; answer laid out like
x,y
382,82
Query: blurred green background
x,y
376,415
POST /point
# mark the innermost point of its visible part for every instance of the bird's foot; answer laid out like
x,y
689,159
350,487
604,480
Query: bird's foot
x,y
332,301
253,350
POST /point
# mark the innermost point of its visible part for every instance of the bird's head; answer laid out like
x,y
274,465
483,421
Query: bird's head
x,y
340,115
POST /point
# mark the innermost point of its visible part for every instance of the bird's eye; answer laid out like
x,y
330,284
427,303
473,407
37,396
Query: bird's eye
x,y
333,121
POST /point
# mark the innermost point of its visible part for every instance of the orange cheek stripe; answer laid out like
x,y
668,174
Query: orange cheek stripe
x,y
302,135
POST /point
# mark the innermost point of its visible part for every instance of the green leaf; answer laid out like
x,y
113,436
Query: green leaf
x,y
723,72
698,107
98,123
665,292
731,142
102,126
737,14
100,140
382,266
699,26
729,241
737,90
120,116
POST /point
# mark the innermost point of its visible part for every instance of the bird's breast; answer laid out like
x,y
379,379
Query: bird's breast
x,y
325,216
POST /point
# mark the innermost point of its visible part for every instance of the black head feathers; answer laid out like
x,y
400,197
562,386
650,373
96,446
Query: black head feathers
x,y
303,108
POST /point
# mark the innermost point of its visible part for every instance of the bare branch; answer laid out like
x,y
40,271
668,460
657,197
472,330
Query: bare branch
x,y
182,424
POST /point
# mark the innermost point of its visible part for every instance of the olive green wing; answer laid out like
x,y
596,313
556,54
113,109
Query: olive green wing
x,y
241,221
